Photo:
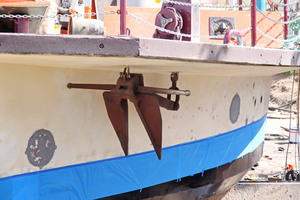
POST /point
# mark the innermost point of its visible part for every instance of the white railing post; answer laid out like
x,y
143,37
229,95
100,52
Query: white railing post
x,y
195,21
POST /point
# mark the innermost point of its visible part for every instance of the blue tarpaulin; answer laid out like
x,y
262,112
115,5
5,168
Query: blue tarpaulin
x,y
123,174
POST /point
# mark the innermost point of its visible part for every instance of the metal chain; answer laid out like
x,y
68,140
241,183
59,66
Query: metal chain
x,y
177,33
275,21
282,4
277,40
58,15
203,6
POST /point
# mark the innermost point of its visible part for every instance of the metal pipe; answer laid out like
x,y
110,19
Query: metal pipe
x,y
91,86
123,17
298,100
151,90
240,3
231,33
298,135
21,25
253,23
286,27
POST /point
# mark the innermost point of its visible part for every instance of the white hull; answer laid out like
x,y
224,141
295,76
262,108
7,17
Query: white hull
x,y
35,99
38,98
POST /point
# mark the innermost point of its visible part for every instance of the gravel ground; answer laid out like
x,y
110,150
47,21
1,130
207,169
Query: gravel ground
x,y
265,190
272,165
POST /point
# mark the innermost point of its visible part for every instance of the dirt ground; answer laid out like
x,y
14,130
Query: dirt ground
x,y
272,165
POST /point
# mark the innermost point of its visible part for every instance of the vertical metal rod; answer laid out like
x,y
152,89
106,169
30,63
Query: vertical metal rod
x,y
286,27
240,3
290,126
122,17
298,100
253,23
21,25
297,134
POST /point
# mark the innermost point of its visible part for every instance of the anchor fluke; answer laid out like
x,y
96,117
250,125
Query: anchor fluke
x,y
149,112
117,111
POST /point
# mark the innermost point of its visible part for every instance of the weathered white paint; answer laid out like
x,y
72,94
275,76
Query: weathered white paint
x,y
34,96
142,64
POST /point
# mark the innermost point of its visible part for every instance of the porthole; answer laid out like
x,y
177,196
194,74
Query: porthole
x,y
234,111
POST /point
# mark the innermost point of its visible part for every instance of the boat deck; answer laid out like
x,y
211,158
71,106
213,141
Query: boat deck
x,y
144,54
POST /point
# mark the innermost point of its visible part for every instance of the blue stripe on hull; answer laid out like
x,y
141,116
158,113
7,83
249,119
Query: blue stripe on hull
x,y
123,174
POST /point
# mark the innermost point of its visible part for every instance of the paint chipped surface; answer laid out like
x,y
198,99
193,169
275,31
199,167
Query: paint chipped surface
x,y
40,148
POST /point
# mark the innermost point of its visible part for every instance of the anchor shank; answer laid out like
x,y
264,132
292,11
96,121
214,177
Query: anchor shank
x,y
91,86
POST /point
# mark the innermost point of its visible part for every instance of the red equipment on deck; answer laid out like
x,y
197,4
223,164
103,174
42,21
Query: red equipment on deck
x,y
21,7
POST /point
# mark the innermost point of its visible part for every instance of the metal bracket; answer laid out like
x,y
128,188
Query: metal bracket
x,y
146,101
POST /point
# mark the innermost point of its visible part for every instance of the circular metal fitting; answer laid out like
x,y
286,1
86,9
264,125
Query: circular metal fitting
x,y
168,18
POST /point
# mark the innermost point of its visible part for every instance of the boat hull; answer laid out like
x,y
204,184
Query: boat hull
x,y
220,123
214,164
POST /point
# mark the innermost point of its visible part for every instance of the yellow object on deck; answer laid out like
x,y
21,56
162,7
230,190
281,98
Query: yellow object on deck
x,y
57,29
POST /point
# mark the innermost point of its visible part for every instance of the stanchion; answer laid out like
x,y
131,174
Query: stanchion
x,y
286,27
253,23
122,17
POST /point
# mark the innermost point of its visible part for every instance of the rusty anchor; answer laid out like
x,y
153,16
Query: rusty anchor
x,y
146,100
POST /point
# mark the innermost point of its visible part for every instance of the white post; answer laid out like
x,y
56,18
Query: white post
x,y
298,135
195,21
88,9
231,2
74,7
